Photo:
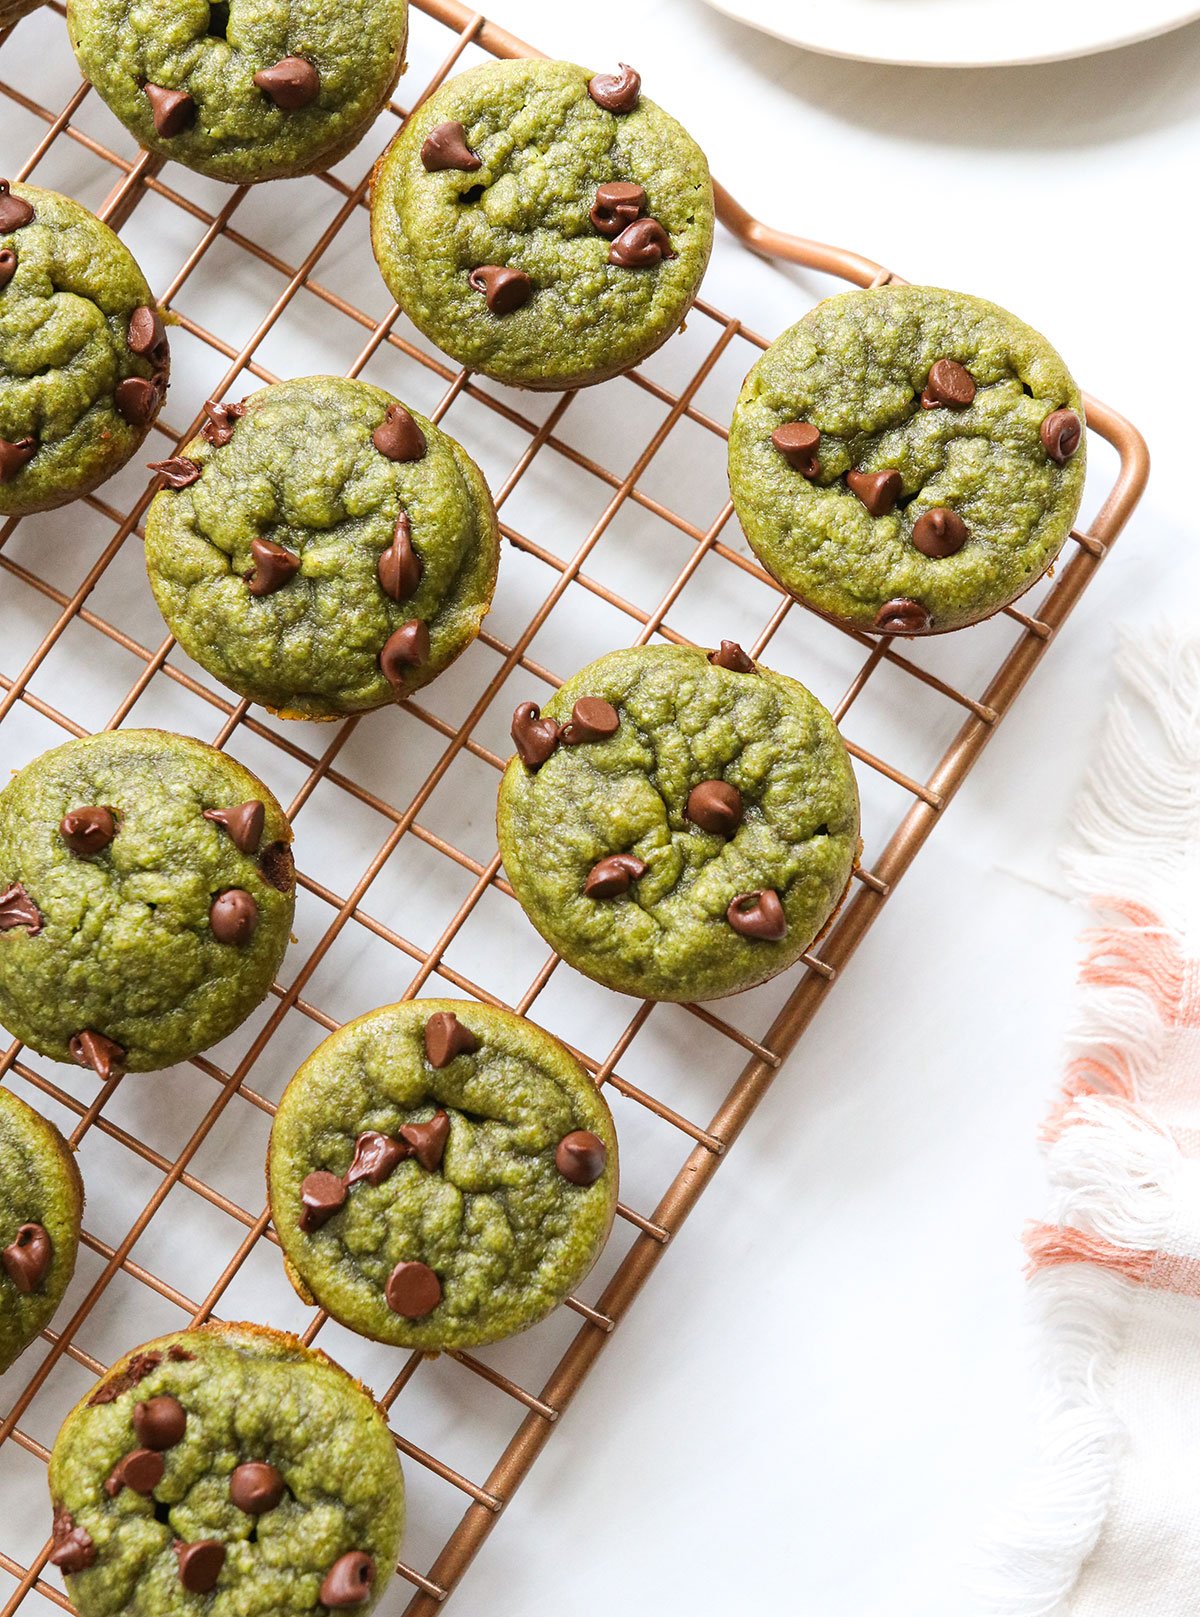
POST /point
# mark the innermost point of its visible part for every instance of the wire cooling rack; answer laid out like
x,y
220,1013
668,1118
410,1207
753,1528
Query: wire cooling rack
x,y
617,525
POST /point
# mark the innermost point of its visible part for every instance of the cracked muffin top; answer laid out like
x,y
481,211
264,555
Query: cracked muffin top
x,y
83,354
146,899
442,1174
908,460
228,1469
247,89
41,1200
321,549
543,225
678,826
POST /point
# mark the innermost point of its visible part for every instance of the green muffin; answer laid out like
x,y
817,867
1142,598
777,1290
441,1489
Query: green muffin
x,y
441,1174
676,825
543,225
247,90
146,898
84,360
907,460
41,1203
322,549
228,1469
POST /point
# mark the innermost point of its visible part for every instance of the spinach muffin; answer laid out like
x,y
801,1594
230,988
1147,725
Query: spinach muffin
x,y
228,1469
907,460
543,225
441,1174
146,898
41,1203
245,90
84,360
676,825
321,549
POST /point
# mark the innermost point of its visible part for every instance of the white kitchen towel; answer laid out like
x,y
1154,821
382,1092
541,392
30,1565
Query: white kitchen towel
x,y
1109,1524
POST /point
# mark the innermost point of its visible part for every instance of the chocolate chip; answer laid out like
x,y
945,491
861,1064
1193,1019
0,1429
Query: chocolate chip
x,y
136,400
8,265
732,657
200,1564
136,1368
400,568
146,334
159,1422
618,203
758,915
404,649
321,1195
73,1548
534,737
256,1487
446,147
14,455
428,1140
27,1259
290,84
244,823
878,491
715,805
173,111
233,916
948,384
592,719
613,876
412,1290
18,909
178,472
103,1055
902,616
504,289
1061,434
939,532
277,866
141,1470
218,429
87,830
376,1156
398,436
797,442
616,92
15,212
348,1581
273,567
179,1354
640,245
446,1037
580,1157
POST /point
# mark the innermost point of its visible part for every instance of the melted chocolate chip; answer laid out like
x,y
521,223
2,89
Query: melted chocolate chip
x,y
412,1290
321,1195
797,442
136,1368
140,1470
948,385
878,491
291,84
15,212
939,532
273,567
446,1037
618,203
27,1259
611,877
244,823
446,147
218,429
233,916
902,616
731,656
348,1581
592,719
1061,434
18,909
758,915
200,1564
616,92
404,649
399,569
277,866
159,1422
534,737
376,1156
580,1157
136,400
398,436
14,455
641,245
428,1140
173,111
504,289
256,1487
716,806
8,266
146,334
103,1055
178,472
88,830
73,1549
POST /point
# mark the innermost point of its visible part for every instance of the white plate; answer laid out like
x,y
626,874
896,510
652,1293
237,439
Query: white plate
x,y
961,33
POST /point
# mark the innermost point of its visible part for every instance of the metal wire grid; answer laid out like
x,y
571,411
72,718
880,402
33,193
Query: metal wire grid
x,y
705,1144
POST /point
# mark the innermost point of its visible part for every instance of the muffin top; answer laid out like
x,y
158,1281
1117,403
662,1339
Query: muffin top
x,y
41,1199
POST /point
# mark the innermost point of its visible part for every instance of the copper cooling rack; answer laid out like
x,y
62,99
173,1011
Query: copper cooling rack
x,y
436,759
